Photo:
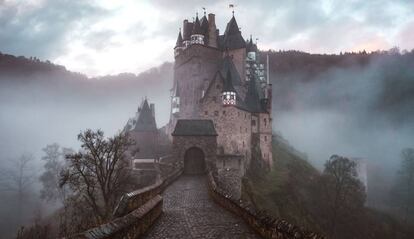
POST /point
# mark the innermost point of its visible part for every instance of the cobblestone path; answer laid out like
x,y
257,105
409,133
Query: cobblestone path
x,y
190,213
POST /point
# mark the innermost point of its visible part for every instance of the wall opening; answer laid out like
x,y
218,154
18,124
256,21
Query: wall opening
x,y
194,161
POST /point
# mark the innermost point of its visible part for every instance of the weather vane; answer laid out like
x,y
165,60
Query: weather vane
x,y
232,6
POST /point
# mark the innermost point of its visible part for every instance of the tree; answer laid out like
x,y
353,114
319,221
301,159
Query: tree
x,y
54,164
18,179
340,195
403,190
98,174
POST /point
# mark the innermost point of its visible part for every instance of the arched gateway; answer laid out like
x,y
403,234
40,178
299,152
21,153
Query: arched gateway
x,y
195,145
194,161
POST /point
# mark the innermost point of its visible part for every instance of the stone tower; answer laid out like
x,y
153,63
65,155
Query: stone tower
x,y
221,78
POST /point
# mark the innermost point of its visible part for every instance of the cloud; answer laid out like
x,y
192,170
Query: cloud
x,y
41,28
109,37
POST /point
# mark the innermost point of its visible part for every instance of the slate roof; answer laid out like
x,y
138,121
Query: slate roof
x,y
179,42
145,121
204,25
197,27
252,100
232,38
227,83
194,127
228,65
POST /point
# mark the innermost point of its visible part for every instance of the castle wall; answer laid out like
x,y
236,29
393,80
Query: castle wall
x,y
265,134
232,124
208,144
146,143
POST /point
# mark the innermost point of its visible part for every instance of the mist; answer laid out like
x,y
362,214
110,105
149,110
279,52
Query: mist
x,y
38,109
354,111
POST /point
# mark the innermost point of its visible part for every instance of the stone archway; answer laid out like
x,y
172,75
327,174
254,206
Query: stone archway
x,y
194,161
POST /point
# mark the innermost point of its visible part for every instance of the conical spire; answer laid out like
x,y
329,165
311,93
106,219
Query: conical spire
x,y
197,26
145,121
232,36
179,42
228,84
232,27
204,25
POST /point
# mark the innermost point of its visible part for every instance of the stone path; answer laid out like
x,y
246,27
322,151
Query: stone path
x,y
190,213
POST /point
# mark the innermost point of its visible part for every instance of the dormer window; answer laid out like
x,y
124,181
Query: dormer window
x,y
229,98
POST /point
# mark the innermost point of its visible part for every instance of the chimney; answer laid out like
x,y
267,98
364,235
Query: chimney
x,y
212,30
185,29
152,106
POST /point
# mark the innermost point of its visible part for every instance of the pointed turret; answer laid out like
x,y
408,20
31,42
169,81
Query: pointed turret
x,y
197,36
232,27
204,26
179,45
179,42
196,27
232,36
145,119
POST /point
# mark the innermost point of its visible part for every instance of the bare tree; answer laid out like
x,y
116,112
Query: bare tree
x,y
54,164
18,179
98,174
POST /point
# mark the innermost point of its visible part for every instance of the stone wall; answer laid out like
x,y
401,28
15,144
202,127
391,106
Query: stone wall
x,y
132,225
135,199
267,226
208,144
136,211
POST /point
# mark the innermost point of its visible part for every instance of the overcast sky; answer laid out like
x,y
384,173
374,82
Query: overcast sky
x,y
112,36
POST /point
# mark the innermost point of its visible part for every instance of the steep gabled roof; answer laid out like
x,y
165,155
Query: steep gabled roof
x,y
232,36
252,100
179,42
197,27
228,65
204,25
194,127
145,121
227,83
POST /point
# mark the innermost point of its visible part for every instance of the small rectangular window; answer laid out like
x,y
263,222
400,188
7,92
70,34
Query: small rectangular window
x,y
253,122
265,138
265,121
206,112
224,112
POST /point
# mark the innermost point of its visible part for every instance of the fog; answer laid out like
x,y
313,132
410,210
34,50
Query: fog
x,y
357,112
37,110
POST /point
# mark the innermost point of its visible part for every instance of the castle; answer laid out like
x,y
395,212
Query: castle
x,y
222,78
220,101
